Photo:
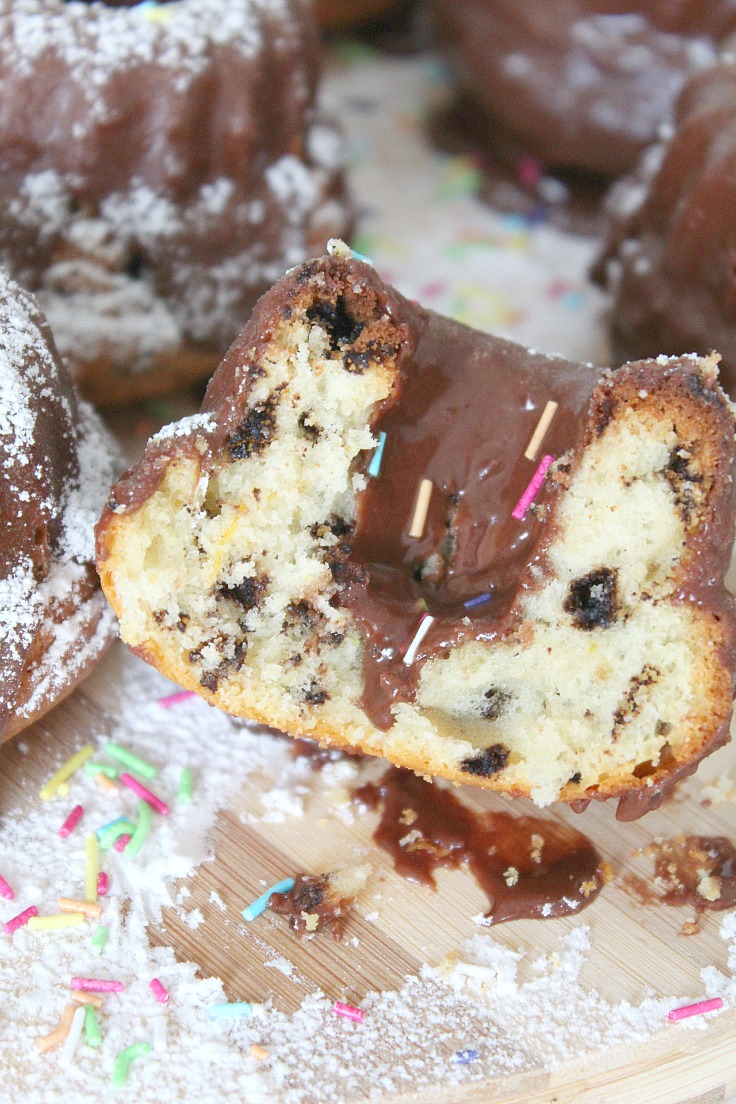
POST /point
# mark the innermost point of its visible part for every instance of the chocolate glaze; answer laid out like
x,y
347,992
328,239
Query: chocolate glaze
x,y
670,254
681,864
579,84
554,870
467,407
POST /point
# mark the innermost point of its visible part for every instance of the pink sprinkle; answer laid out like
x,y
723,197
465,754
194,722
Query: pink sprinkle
x,y
141,791
71,821
122,842
5,890
348,1010
19,920
698,1009
529,171
162,995
103,886
174,699
94,985
521,507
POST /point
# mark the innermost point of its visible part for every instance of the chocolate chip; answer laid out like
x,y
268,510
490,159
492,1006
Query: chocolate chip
x,y
336,320
255,432
489,761
497,702
249,593
592,600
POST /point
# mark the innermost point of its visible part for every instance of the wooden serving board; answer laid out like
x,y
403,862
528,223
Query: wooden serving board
x,y
635,949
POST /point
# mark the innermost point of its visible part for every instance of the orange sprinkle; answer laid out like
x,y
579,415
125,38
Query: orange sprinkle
x,y
106,783
56,1037
68,904
80,997
259,1053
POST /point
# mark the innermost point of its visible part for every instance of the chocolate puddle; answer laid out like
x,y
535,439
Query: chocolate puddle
x,y
527,867
699,871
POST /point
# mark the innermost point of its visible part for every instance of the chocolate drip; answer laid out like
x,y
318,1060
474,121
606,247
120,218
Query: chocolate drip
x,y
528,867
467,408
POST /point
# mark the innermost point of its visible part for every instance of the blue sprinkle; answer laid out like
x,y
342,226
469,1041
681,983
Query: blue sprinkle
x,y
574,300
100,831
362,257
375,465
221,1011
538,215
259,906
477,601
464,1057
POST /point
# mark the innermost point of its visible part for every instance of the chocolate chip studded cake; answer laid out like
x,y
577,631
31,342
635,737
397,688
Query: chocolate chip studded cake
x,y
56,466
160,166
390,532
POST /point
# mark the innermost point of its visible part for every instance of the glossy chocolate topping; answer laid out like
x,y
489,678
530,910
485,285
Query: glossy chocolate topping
x,y
527,867
580,84
467,409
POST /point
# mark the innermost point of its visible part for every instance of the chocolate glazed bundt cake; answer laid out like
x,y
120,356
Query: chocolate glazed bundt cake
x,y
670,257
367,538
160,166
56,466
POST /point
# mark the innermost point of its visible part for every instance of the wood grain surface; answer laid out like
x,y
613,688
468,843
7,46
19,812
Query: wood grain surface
x,y
638,950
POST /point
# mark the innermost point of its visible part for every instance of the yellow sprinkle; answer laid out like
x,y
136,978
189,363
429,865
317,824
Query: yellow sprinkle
x,y
48,923
59,778
92,867
59,1034
80,997
86,908
539,433
157,15
420,510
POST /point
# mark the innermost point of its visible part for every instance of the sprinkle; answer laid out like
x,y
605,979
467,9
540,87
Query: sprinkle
x,y
153,13
103,884
106,783
480,600
132,762
424,626
348,1010
375,465
697,1009
114,831
259,1053
158,1033
140,835
141,791
99,939
80,997
19,920
185,786
122,842
464,1057
226,1011
420,510
521,507
91,882
97,985
51,923
5,891
99,832
104,769
162,995
57,780
123,1060
71,821
252,911
529,172
91,1027
542,426
68,904
63,789
70,1043
336,247
58,1035
174,699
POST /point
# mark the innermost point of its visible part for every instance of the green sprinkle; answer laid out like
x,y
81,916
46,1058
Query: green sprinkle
x,y
185,785
140,835
99,939
123,1060
131,761
115,831
91,1027
225,1011
101,768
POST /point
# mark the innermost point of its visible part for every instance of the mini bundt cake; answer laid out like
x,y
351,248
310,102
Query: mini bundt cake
x,y
160,166
670,257
58,463
356,541
581,85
